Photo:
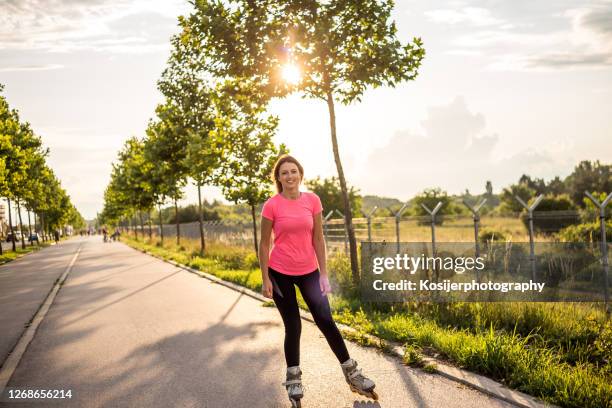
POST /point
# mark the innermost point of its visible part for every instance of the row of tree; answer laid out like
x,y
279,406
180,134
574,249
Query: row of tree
x,y
206,132
27,180
229,60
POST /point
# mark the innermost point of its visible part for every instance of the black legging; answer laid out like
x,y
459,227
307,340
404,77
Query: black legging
x,y
286,302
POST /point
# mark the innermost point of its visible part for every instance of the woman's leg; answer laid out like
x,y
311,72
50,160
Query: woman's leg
x,y
286,302
321,312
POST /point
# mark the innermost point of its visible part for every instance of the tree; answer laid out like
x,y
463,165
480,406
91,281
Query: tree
x,y
165,146
13,155
249,156
136,171
538,185
489,188
510,203
564,216
592,177
431,197
330,193
341,47
194,101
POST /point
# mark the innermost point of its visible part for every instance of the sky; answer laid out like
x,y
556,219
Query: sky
x,y
506,88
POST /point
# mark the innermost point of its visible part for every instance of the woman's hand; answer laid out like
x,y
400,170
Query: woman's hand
x,y
324,285
266,288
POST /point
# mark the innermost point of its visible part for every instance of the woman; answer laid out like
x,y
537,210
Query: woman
x,y
298,258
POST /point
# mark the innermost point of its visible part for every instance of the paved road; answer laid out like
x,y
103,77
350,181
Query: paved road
x,y
127,330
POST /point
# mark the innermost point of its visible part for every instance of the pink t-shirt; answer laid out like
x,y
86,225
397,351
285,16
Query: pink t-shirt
x,y
292,222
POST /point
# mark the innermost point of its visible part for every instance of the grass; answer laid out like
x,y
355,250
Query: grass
x,y
561,353
10,255
453,229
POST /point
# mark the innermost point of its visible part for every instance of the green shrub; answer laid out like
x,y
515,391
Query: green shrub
x,y
430,198
339,269
250,261
552,214
490,234
585,233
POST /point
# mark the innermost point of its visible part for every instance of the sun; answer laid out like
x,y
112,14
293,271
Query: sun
x,y
291,74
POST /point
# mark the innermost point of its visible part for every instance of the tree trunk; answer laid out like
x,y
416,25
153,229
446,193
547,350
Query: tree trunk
x,y
254,230
135,229
161,226
23,245
11,225
2,230
42,227
201,221
348,216
178,226
30,227
141,225
150,226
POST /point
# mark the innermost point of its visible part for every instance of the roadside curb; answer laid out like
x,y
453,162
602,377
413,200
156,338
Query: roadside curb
x,y
475,381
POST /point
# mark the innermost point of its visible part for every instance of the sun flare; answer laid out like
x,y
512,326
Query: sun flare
x,y
291,74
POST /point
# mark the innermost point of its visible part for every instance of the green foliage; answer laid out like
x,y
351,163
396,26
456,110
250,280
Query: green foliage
x,y
552,214
508,197
430,198
25,176
330,194
189,213
586,232
412,355
589,176
341,48
589,212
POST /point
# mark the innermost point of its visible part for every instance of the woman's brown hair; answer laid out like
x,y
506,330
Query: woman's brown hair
x,y
285,158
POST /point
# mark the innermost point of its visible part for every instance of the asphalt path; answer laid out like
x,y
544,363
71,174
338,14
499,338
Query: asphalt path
x,y
128,330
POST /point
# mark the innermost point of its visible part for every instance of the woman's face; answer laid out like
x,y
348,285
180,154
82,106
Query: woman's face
x,y
289,176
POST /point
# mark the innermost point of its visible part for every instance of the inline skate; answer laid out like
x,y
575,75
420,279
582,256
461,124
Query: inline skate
x,y
357,381
294,387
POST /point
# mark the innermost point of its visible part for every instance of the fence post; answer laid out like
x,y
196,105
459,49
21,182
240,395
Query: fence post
x,y
530,210
476,216
604,246
369,219
433,213
325,233
398,216
345,232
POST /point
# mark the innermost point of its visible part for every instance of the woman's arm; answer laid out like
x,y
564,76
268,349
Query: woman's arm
x,y
264,255
318,241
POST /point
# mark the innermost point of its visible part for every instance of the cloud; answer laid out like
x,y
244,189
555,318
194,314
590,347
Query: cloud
x,y
20,68
475,16
100,25
578,38
454,152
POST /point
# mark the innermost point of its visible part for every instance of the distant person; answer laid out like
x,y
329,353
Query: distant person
x,y
56,235
115,236
298,257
